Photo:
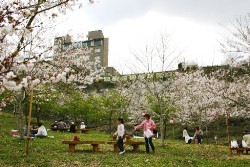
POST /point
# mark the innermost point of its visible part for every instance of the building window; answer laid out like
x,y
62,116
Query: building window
x,y
92,43
97,50
84,44
98,42
97,58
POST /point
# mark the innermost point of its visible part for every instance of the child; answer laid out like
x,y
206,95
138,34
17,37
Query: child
x,y
120,134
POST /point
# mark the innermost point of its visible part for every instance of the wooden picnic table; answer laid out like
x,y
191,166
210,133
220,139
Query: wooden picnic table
x,y
66,129
83,130
72,144
134,144
240,150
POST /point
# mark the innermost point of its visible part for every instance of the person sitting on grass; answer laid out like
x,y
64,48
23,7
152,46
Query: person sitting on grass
x,y
61,125
246,138
186,137
198,134
42,132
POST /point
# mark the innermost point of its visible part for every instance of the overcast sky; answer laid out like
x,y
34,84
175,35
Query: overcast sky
x,y
195,26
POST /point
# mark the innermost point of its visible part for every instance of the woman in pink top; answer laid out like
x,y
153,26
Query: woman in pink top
x,y
148,125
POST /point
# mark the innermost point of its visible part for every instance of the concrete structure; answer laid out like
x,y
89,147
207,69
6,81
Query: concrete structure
x,y
96,42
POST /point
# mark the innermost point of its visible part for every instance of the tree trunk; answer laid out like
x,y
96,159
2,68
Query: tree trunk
x,y
37,114
20,122
165,130
228,136
162,130
29,120
206,133
110,121
19,100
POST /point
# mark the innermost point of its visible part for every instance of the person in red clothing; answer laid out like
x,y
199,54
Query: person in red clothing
x,y
148,126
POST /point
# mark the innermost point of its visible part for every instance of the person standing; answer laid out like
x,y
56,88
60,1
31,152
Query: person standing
x,y
148,125
120,134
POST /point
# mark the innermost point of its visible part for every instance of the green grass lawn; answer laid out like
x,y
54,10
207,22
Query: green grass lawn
x,y
50,152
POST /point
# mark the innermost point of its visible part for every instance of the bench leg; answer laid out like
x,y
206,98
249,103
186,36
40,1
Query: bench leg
x,y
239,152
72,147
95,147
135,147
116,148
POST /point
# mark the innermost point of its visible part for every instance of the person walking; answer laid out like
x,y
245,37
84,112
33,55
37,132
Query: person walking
x,y
120,134
148,126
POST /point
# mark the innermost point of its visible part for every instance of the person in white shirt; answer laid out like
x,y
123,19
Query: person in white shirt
x,y
120,134
82,127
42,132
246,138
186,137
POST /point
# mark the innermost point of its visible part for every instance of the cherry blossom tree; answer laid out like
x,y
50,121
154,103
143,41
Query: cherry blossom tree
x,y
158,57
193,97
199,106
236,47
204,95
26,43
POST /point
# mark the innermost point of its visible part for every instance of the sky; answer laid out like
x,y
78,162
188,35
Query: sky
x,y
195,27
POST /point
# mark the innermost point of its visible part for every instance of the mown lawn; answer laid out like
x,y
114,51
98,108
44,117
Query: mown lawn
x,y
50,152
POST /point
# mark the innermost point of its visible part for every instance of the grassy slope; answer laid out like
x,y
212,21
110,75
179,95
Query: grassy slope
x,y
51,153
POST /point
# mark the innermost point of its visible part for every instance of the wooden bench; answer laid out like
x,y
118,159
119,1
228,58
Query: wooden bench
x,y
240,150
135,144
66,129
72,144
83,130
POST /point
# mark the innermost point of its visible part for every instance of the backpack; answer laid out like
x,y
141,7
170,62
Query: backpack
x,y
76,138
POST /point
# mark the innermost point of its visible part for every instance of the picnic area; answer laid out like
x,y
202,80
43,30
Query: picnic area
x,y
52,151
